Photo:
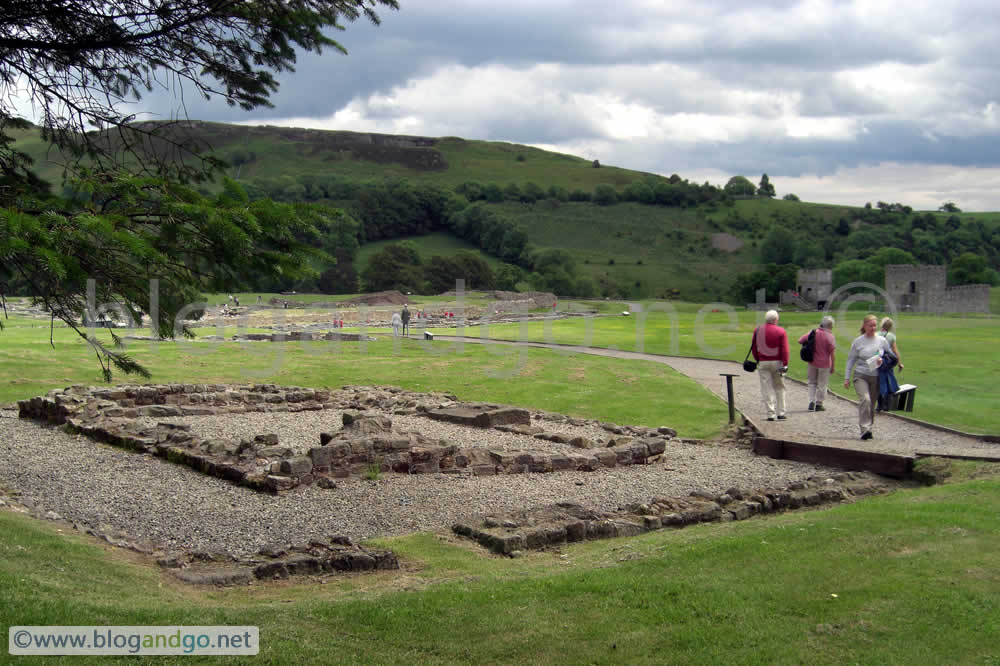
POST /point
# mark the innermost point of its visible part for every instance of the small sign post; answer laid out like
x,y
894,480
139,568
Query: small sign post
x,y
729,395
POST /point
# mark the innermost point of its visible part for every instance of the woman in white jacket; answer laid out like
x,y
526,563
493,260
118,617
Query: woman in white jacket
x,y
863,361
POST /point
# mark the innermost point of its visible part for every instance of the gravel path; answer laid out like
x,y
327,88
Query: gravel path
x,y
171,505
837,426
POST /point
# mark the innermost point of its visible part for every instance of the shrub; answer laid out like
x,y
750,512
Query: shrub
x,y
605,195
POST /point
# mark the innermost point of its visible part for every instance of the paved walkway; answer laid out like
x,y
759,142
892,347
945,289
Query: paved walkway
x,y
837,426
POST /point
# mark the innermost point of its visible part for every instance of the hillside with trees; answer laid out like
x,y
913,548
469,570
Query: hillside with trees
x,y
534,219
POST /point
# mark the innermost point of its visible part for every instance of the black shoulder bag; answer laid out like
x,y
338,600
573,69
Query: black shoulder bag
x,y
749,365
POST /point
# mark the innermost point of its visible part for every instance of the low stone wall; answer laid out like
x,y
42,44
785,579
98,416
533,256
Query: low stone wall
x,y
337,554
366,444
559,524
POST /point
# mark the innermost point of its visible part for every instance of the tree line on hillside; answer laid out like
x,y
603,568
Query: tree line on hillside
x,y
858,245
651,190
787,239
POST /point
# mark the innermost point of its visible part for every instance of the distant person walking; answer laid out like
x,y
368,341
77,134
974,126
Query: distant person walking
x,y
863,361
397,324
822,363
405,316
888,378
770,349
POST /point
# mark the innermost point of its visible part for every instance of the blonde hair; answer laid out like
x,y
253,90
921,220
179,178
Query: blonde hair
x,y
886,324
867,319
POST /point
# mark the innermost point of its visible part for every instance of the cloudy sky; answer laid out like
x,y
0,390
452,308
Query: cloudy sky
x,y
840,102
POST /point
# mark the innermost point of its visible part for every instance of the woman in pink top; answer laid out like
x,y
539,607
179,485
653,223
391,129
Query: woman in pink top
x,y
821,366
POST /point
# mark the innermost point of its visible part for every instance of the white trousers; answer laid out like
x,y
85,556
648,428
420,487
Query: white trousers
x,y
772,387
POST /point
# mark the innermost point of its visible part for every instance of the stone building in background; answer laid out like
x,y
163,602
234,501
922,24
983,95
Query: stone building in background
x,y
911,288
812,289
924,289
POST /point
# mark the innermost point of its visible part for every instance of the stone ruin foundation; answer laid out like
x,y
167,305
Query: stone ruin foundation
x,y
367,443
559,524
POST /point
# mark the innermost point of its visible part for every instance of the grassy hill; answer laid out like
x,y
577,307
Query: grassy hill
x,y
628,249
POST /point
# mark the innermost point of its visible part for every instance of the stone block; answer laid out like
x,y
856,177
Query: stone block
x,y
540,463
655,445
302,564
701,512
274,483
361,447
339,450
606,457
640,452
625,528
425,455
271,570
600,529
219,446
623,454
482,416
562,463
576,531
389,444
321,456
274,452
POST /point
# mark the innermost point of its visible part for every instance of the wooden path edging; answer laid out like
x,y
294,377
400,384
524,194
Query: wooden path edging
x,y
886,464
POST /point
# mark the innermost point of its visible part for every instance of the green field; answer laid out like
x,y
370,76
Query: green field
x,y
579,385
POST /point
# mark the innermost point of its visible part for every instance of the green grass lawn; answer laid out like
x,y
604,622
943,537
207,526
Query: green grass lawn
x,y
910,578
630,392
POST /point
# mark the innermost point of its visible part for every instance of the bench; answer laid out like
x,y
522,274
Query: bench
x,y
902,400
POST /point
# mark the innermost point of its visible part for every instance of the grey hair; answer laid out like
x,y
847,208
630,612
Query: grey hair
x,y
886,324
771,317
826,322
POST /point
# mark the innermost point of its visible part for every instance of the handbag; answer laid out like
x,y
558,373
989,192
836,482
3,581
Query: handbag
x,y
749,365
